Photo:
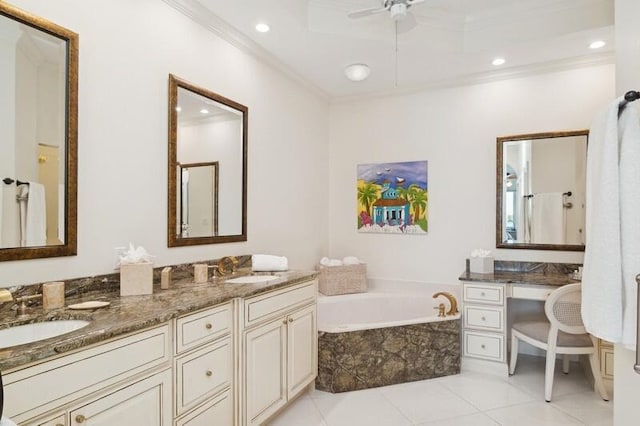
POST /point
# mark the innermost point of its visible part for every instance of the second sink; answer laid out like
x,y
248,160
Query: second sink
x,y
250,279
29,333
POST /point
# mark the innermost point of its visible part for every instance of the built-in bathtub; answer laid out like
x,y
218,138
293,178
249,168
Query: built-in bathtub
x,y
377,339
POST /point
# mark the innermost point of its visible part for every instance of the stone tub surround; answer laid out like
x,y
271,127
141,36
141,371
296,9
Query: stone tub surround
x,y
535,273
131,313
385,356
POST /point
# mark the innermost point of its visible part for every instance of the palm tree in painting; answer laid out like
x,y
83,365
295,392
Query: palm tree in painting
x,y
418,199
367,195
403,193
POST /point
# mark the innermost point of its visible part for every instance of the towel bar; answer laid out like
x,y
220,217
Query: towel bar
x,y
637,366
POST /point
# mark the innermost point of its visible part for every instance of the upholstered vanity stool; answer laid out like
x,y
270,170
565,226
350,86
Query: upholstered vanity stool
x,y
563,333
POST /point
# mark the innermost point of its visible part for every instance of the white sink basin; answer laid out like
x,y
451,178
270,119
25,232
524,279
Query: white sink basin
x,y
29,333
251,279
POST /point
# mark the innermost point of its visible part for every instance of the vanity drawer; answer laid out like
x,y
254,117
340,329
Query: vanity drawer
x,y
202,374
488,294
484,318
202,327
270,305
484,345
531,292
218,411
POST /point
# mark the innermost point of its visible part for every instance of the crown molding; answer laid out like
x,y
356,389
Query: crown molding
x,y
195,11
605,58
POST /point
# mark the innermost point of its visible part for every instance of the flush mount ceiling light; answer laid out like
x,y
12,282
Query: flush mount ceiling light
x,y
262,27
597,44
357,72
498,61
204,111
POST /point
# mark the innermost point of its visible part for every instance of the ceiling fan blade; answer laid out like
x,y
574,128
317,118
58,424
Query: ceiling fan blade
x,y
406,24
412,2
365,12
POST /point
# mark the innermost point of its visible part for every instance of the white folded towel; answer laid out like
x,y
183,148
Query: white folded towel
x,y
351,260
36,221
325,261
266,262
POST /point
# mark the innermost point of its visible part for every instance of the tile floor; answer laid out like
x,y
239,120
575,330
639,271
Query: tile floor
x,y
468,399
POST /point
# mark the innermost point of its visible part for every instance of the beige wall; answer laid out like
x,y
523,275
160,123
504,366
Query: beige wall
x,y
125,61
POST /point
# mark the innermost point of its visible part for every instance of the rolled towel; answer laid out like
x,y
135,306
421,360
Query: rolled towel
x,y
334,262
325,261
265,262
351,260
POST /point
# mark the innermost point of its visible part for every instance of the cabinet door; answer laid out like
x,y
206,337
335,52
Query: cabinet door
x,y
217,412
144,403
302,350
265,374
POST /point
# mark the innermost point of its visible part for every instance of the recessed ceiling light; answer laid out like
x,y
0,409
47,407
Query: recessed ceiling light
x,y
498,61
204,111
357,72
597,44
262,27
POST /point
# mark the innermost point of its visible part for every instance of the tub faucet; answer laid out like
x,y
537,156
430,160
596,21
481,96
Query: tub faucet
x,y
453,304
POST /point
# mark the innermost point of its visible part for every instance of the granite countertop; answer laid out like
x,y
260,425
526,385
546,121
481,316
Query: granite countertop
x,y
520,277
131,313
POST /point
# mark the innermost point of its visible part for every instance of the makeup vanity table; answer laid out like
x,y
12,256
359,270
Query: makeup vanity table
x,y
490,301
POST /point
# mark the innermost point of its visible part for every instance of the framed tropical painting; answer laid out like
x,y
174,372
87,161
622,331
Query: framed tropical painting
x,y
393,198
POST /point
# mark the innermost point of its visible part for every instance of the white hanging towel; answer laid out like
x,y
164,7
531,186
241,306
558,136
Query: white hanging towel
x,y
612,234
36,220
548,218
629,127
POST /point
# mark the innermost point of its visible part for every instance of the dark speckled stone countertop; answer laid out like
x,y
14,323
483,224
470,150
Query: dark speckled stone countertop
x,y
521,272
529,278
131,313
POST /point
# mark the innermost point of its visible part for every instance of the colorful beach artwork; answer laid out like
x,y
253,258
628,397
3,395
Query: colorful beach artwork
x,y
393,198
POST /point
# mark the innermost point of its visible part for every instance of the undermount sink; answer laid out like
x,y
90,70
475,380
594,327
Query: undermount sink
x,y
251,279
29,333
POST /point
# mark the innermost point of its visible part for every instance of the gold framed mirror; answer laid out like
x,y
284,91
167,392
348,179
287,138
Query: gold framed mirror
x,y
207,166
38,137
540,191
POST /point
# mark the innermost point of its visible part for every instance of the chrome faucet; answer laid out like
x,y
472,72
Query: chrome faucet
x,y
453,304
221,268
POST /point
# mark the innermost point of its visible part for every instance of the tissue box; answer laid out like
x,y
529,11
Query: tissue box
x,y
481,265
136,279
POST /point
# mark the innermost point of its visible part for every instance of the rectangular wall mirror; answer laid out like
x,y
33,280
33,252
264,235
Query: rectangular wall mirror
x,y
38,136
540,191
207,166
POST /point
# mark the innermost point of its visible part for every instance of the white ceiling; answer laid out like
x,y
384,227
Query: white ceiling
x,y
454,41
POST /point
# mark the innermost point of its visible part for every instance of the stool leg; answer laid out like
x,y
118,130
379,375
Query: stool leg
x,y
565,363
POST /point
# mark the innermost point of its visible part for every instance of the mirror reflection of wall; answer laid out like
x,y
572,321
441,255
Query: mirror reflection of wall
x,y
542,189
38,82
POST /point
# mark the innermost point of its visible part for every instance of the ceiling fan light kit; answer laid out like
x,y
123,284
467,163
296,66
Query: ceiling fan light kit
x,y
398,11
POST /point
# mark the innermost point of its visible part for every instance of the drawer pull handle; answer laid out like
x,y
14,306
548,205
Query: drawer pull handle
x,y
483,346
209,373
483,294
284,321
80,418
290,319
483,318
208,326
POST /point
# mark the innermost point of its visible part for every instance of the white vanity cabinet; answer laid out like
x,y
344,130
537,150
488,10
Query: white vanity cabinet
x,y
120,379
204,367
280,349
484,323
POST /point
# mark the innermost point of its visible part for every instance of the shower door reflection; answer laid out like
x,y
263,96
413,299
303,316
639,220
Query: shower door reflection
x,y
198,199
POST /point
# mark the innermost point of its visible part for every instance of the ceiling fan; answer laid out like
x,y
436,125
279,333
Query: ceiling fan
x,y
398,10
